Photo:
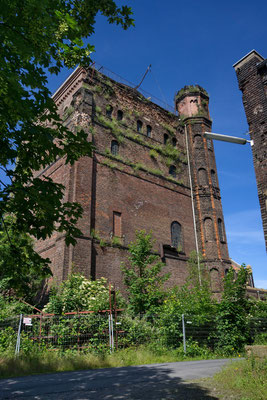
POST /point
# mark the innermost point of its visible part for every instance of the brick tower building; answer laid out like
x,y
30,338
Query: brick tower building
x,y
251,73
138,178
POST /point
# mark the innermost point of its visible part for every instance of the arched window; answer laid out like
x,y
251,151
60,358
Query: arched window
x,y
209,232
176,235
109,110
213,178
172,171
215,280
221,230
174,142
114,147
119,115
197,141
148,130
202,177
165,138
209,144
139,126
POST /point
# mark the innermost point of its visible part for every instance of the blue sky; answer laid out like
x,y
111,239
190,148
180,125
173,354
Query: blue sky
x,y
197,43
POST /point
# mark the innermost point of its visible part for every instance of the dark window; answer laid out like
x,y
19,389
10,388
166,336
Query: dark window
x,y
176,235
139,126
174,142
220,229
172,171
148,130
209,144
114,147
109,110
119,115
213,178
226,271
165,138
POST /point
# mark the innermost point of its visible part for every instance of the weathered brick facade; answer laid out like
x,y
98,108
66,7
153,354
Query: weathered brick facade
x,y
251,73
138,178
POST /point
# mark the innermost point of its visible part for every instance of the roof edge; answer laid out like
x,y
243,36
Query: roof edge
x,y
249,56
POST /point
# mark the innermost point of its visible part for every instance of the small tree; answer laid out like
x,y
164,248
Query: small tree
x,y
142,275
232,316
192,299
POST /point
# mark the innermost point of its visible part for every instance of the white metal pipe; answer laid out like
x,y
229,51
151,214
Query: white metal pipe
x,y
227,138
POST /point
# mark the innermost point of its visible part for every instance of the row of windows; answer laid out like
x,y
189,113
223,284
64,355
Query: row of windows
x,y
115,151
209,229
139,126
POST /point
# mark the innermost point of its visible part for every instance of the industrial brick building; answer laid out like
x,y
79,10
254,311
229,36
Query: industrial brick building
x,y
138,178
251,73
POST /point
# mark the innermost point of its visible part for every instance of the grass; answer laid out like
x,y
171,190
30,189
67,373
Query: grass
x,y
49,362
244,380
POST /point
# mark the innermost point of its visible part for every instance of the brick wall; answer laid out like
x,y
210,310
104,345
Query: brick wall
x,y
251,73
135,183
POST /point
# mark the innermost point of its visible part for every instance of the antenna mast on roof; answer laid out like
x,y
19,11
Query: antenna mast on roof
x,y
148,68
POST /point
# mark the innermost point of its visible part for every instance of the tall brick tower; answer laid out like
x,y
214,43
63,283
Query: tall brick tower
x,y
192,103
251,73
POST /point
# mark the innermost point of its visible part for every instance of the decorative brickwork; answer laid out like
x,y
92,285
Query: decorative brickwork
x,y
251,73
138,179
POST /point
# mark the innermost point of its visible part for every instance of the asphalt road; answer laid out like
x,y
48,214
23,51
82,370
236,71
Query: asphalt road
x,y
155,381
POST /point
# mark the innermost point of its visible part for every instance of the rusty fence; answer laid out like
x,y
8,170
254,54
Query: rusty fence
x,y
109,330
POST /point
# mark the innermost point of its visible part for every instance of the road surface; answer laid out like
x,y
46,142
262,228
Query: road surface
x,y
155,381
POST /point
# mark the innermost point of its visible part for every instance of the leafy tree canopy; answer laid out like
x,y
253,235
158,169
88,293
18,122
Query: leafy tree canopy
x,y
21,268
40,38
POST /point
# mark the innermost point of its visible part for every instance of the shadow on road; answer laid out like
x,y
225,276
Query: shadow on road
x,y
140,382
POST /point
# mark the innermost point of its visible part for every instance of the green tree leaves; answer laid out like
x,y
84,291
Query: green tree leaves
x,y
38,37
142,275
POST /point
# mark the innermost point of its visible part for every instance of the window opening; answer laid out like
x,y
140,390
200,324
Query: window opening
x,y
176,235
148,130
109,110
139,126
220,229
172,171
119,115
114,148
174,142
209,144
165,138
117,224
213,178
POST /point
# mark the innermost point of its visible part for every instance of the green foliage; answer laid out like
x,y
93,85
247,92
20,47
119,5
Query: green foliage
x,y
77,294
232,314
153,154
21,268
143,276
10,307
40,38
192,299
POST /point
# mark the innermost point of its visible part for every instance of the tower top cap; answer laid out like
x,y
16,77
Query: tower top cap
x,y
246,58
191,90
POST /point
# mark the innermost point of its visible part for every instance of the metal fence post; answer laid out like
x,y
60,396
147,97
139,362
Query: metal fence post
x,y
184,339
18,337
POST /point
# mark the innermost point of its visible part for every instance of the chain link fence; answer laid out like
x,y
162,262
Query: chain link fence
x,y
106,331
